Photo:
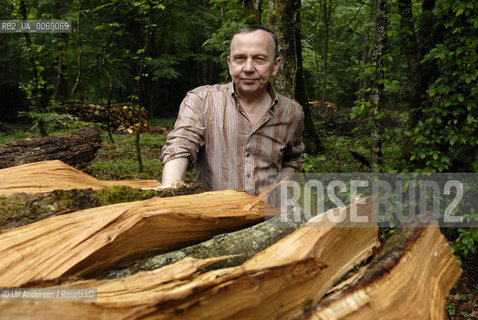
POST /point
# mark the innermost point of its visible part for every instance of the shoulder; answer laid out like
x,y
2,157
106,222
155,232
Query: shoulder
x,y
290,105
206,90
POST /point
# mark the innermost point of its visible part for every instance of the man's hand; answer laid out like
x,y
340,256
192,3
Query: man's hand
x,y
174,170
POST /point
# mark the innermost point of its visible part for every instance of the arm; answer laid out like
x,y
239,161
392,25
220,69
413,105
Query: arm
x,y
184,141
174,170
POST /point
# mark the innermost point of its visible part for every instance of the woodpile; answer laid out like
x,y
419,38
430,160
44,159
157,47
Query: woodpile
x,y
300,276
123,117
77,149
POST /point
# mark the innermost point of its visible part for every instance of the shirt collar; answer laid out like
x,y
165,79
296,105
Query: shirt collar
x,y
232,91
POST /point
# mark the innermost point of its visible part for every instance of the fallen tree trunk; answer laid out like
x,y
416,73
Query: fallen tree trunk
x,y
77,149
239,245
88,242
409,278
47,176
275,284
21,208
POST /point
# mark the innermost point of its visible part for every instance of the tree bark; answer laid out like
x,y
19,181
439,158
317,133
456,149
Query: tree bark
x,y
241,245
77,149
80,54
376,99
253,11
284,21
21,208
327,10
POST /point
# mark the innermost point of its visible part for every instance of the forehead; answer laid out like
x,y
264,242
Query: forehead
x,y
257,41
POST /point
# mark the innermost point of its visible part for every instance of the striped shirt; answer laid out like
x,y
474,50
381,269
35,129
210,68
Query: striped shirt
x,y
213,131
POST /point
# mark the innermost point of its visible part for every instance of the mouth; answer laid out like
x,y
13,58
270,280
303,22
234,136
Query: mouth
x,y
249,80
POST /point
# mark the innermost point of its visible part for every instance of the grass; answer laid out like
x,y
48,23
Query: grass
x,y
118,160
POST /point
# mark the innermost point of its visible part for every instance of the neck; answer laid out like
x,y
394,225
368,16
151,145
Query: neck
x,y
255,101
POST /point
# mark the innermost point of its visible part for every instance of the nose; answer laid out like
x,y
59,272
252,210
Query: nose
x,y
249,66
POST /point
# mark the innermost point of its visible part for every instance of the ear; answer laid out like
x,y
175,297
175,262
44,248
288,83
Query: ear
x,y
277,63
228,60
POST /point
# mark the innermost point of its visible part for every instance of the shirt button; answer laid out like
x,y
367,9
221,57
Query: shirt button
x,y
248,154
248,175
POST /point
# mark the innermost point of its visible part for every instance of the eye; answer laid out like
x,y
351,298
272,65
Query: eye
x,y
260,59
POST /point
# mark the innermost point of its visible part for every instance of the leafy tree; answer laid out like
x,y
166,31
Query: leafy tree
x,y
445,135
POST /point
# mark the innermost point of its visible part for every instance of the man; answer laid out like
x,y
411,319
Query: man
x,y
240,135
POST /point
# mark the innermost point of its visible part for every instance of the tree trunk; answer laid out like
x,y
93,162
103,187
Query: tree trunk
x,y
284,21
86,243
21,208
376,99
253,11
37,92
365,55
80,54
61,86
327,10
409,278
77,149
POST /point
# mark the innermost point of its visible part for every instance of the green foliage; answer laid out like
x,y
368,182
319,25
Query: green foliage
x,y
446,135
466,243
219,41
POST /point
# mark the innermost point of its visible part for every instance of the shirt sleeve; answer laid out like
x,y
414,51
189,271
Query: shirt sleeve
x,y
187,137
292,154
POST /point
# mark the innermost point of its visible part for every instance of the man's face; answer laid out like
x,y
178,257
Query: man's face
x,y
252,63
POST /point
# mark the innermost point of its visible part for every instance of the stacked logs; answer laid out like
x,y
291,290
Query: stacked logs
x,y
407,277
123,117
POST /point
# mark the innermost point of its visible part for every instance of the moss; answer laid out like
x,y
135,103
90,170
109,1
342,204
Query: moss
x,y
119,194
20,208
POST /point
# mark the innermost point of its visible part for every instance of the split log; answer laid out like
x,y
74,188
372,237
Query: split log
x,y
275,284
239,245
21,208
47,176
409,278
77,149
88,242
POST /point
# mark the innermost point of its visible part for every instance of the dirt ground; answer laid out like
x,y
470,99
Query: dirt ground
x,y
462,303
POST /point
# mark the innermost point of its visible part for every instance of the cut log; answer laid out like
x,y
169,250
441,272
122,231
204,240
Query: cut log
x,y
47,176
409,278
77,149
240,245
88,242
20,208
276,284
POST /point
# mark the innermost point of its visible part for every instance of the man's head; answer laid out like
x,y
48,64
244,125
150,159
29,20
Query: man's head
x,y
253,59
255,27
